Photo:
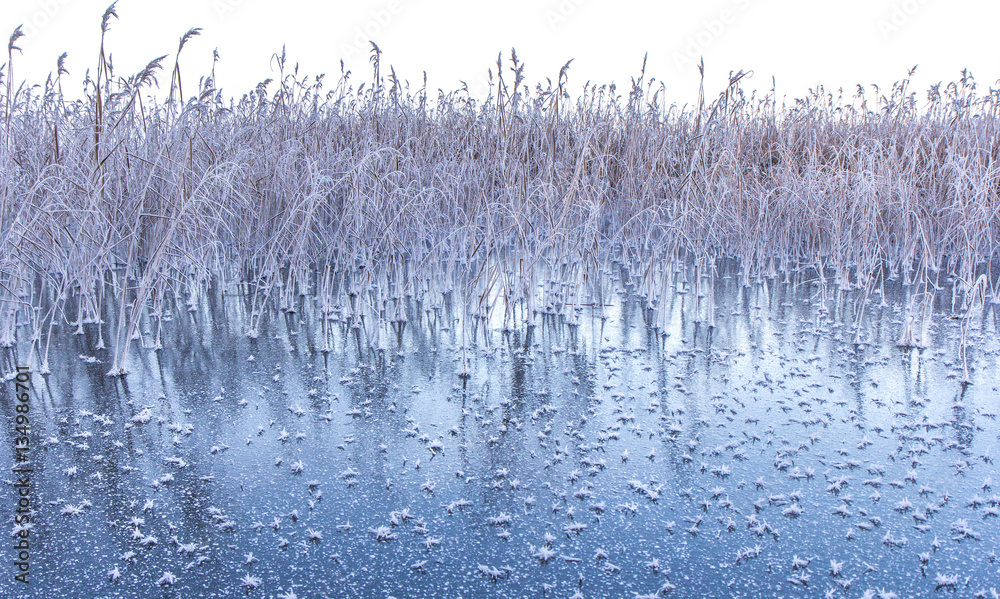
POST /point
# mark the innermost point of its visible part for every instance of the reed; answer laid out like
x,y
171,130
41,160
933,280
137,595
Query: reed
x,y
374,194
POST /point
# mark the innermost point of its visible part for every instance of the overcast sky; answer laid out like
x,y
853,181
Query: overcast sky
x,y
801,43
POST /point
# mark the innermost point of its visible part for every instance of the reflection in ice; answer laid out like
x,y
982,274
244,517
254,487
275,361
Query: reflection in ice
x,y
780,452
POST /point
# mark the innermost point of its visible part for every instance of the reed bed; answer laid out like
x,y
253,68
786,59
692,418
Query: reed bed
x,y
372,192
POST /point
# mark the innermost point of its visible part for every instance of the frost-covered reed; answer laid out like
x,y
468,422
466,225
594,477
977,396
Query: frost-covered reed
x,y
372,192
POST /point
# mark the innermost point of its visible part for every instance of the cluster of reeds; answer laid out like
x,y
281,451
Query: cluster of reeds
x,y
368,194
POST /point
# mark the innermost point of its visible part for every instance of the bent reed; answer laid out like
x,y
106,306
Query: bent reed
x,y
116,207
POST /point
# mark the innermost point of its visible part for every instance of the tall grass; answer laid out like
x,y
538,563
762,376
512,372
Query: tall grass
x,y
373,193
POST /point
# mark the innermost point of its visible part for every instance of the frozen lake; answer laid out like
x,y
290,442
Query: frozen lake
x,y
769,456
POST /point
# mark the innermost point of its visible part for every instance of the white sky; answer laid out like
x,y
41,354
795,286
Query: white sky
x,y
800,42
